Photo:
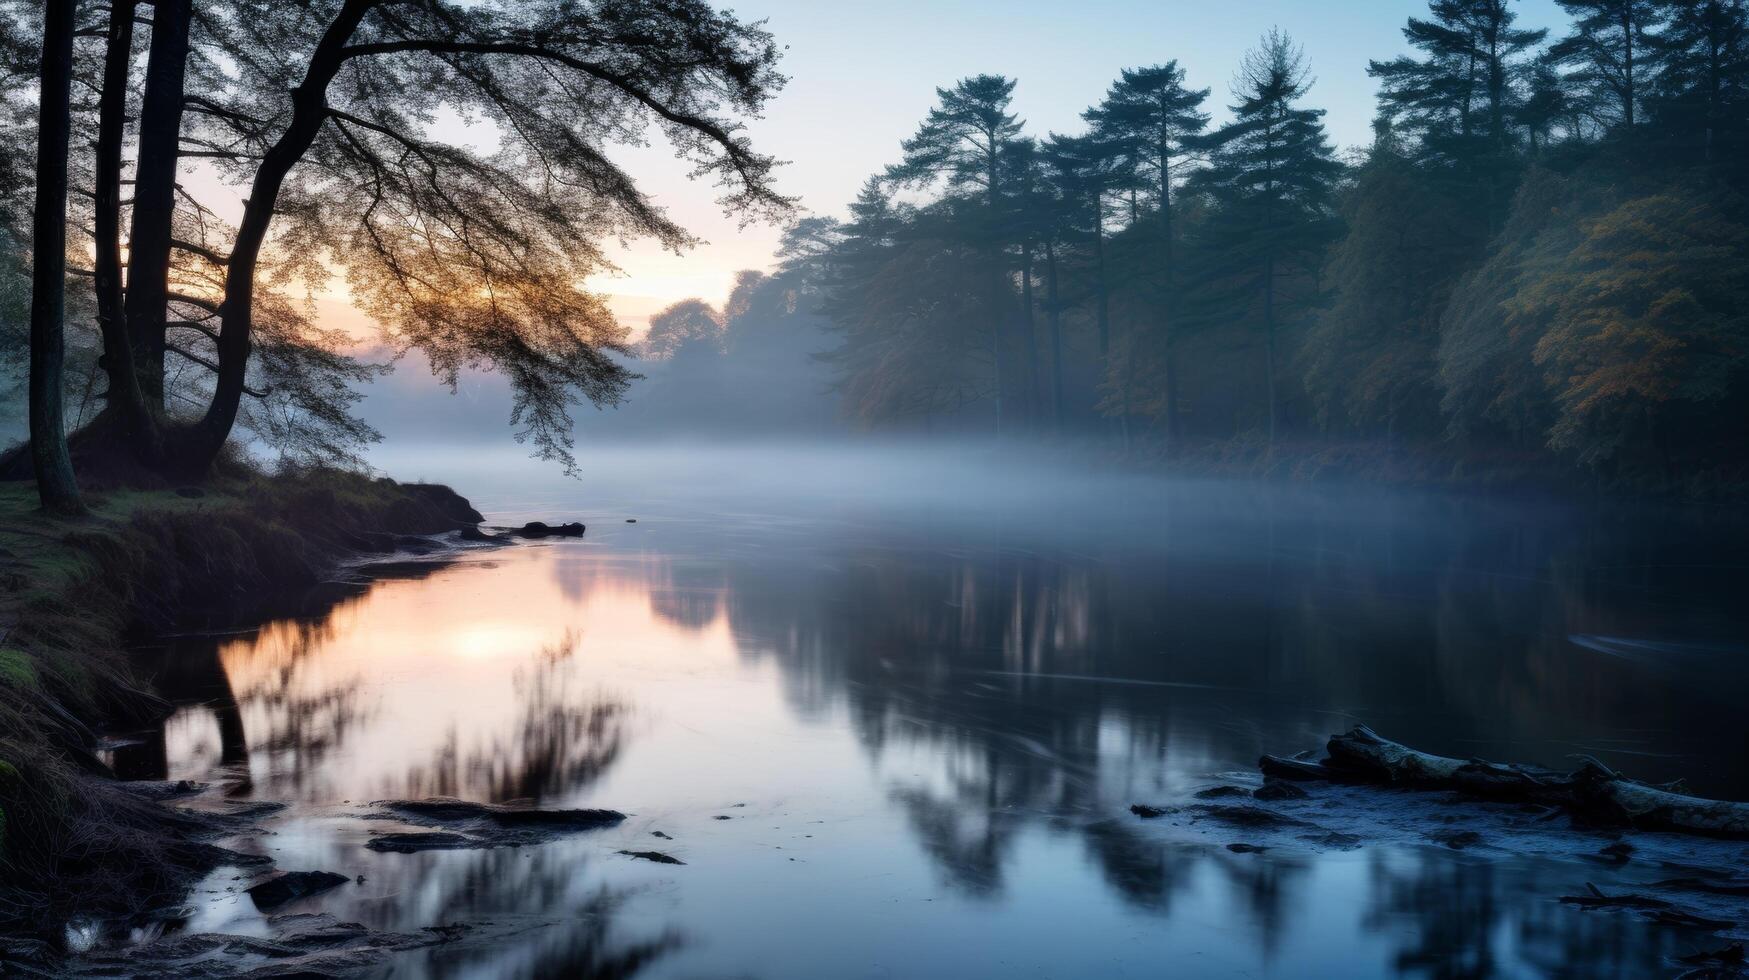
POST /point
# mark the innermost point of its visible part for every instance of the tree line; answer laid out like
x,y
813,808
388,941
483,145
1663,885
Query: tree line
x,y
1544,250
323,117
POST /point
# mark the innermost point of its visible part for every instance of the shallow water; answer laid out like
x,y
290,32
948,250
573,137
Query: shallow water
x,y
923,688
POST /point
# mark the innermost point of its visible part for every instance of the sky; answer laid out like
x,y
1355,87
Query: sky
x,y
863,73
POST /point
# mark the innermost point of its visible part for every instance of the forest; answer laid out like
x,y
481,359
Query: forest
x,y
1541,259
1538,263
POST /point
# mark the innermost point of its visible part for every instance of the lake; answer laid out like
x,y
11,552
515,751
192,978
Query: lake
x,y
890,707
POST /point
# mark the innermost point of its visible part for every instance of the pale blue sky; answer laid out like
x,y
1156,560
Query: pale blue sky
x,y
863,73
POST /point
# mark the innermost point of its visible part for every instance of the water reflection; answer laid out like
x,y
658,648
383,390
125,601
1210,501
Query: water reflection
x,y
957,713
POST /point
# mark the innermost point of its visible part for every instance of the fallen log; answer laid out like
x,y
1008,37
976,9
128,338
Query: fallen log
x,y
1592,792
1654,808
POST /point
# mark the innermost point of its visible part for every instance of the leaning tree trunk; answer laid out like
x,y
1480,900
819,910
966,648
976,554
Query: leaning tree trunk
x,y
309,112
48,283
155,196
126,404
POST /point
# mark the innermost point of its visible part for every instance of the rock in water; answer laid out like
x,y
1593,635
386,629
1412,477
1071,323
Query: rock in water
x,y
293,885
436,840
482,825
442,809
656,856
1220,792
1278,789
541,529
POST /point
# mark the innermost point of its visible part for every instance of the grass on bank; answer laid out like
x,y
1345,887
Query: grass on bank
x,y
72,590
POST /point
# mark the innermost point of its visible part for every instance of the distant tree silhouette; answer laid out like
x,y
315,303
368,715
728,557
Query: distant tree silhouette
x,y
690,321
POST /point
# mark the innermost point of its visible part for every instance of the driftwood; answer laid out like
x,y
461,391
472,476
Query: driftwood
x,y
1591,792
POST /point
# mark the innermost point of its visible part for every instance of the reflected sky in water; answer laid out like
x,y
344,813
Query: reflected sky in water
x,y
924,688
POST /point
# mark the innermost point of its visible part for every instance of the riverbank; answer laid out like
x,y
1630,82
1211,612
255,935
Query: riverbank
x,y
72,595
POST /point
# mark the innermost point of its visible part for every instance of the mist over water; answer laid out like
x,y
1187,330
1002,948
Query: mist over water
x,y
891,702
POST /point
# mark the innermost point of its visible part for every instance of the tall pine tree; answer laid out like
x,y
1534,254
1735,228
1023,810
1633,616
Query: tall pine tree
x,y
960,144
1458,101
1271,179
1702,87
1152,120
1610,51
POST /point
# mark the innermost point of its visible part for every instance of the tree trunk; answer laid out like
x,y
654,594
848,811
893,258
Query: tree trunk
x,y
1627,71
309,112
1269,342
126,404
155,196
48,436
1168,302
998,277
997,315
1055,320
1030,325
1104,300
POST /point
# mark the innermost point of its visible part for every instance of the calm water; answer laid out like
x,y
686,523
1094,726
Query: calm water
x,y
924,688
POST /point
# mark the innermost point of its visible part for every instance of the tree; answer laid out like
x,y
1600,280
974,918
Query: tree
x,y
1645,321
1609,51
1489,386
18,54
323,111
1029,204
1463,89
960,142
48,438
1054,199
122,367
1369,357
151,235
1085,171
960,145
1545,110
689,321
1155,122
1270,178
1702,82
905,302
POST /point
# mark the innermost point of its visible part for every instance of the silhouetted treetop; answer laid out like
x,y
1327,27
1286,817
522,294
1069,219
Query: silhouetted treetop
x,y
961,139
